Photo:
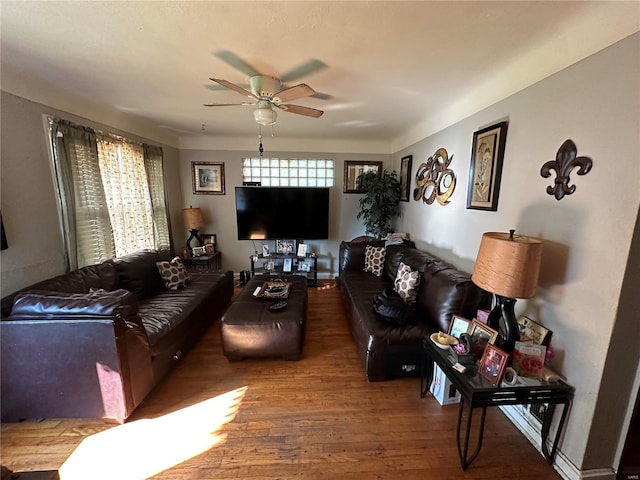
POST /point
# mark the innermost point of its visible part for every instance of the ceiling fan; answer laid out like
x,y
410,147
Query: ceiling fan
x,y
266,93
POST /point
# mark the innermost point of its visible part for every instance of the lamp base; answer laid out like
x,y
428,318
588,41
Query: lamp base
x,y
194,234
503,319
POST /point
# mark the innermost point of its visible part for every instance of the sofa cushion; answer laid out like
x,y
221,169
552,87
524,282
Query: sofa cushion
x,y
374,260
138,273
406,283
173,273
352,254
98,303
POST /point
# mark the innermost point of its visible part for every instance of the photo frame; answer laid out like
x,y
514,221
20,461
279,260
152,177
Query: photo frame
x,y
532,330
198,251
458,326
210,239
353,169
207,178
485,171
285,247
480,335
493,364
405,177
286,265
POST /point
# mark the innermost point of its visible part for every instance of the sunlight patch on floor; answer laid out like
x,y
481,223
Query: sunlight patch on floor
x,y
143,448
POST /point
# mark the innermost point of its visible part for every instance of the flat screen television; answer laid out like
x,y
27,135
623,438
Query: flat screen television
x,y
271,213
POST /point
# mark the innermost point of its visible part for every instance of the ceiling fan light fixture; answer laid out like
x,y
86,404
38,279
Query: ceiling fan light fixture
x,y
265,115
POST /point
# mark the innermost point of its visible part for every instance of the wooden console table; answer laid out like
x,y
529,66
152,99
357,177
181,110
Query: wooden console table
x,y
477,392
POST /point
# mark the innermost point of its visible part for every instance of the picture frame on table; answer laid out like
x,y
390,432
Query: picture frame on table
x,y
493,364
353,169
207,178
532,330
485,171
286,265
285,246
481,335
405,177
209,239
458,326
198,251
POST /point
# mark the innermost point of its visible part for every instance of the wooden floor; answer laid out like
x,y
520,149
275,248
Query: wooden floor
x,y
317,418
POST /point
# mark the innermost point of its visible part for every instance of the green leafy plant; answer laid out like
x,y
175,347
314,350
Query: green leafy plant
x,y
381,203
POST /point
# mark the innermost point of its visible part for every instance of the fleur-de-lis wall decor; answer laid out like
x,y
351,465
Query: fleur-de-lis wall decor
x,y
434,179
566,160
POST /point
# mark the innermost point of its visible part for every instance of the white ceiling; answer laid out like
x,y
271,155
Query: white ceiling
x,y
395,71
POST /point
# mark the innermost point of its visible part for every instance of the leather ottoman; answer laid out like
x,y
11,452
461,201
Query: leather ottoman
x,y
251,329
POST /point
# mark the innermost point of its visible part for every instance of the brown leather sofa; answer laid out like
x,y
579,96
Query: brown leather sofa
x,y
94,342
389,350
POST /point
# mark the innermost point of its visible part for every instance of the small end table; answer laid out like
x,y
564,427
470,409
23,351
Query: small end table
x,y
477,392
206,262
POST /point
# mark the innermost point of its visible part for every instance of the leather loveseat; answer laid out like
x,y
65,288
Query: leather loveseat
x,y
94,342
389,350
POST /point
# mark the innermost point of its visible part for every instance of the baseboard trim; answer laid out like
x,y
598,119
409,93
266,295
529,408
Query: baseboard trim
x,y
531,430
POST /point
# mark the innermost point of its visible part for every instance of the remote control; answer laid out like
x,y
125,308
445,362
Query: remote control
x,y
277,306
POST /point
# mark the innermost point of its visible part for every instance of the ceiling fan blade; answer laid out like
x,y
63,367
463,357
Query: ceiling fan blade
x,y
300,110
236,62
307,68
218,87
293,93
234,87
226,104
322,96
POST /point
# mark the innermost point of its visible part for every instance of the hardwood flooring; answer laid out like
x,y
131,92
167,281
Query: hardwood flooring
x,y
269,419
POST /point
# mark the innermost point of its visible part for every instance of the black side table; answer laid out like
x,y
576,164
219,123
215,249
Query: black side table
x,y
477,392
207,262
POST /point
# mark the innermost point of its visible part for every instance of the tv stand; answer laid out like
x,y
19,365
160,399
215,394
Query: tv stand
x,y
299,265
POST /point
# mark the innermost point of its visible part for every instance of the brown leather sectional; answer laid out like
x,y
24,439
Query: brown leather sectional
x,y
389,350
94,342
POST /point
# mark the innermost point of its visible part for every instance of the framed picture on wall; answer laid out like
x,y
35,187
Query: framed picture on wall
x,y
353,169
405,177
207,178
485,171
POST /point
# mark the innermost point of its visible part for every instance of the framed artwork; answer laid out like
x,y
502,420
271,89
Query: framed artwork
x,y
353,169
458,326
405,177
485,170
493,363
207,178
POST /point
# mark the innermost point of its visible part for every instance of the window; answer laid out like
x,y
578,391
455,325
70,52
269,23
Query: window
x,y
110,194
290,172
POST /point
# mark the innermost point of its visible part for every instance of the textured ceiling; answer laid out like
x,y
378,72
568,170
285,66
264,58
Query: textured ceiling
x,y
389,72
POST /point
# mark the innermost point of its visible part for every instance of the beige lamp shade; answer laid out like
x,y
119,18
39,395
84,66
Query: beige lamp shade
x,y
508,265
192,218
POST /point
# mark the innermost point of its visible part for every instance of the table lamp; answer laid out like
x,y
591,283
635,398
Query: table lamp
x,y
193,221
507,265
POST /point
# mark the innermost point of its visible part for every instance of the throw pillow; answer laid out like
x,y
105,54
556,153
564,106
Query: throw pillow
x,y
406,283
173,273
374,260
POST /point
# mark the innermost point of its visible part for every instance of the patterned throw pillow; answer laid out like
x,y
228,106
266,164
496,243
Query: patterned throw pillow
x,y
173,273
406,283
374,260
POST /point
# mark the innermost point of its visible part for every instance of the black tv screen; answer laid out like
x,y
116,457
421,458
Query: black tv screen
x,y
272,213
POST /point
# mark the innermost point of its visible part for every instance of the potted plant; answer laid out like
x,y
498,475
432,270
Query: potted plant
x,y
381,203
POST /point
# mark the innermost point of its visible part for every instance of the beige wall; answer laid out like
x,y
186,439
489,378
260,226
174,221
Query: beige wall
x,y
587,235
